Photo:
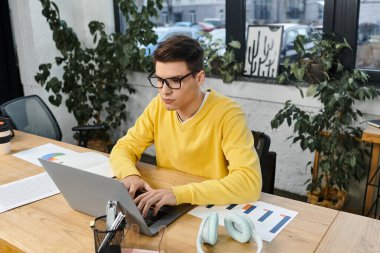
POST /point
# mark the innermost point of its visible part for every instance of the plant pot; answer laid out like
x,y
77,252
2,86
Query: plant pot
x,y
98,145
335,198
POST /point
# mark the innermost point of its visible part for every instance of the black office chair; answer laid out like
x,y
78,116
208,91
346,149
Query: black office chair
x,y
267,160
30,114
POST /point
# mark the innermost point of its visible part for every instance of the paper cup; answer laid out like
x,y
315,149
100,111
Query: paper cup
x,y
5,139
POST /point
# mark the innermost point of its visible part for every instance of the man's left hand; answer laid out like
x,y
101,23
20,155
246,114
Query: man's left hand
x,y
155,199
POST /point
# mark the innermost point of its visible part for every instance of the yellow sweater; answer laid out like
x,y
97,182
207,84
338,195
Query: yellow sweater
x,y
215,143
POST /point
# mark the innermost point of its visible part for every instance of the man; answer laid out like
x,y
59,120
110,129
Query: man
x,y
196,132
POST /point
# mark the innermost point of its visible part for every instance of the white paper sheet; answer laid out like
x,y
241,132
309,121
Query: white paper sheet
x,y
48,151
26,190
89,161
268,219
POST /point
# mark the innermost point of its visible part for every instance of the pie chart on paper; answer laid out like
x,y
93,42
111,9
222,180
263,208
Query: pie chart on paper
x,y
52,156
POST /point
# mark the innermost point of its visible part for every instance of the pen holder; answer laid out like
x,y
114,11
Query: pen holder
x,y
134,242
107,241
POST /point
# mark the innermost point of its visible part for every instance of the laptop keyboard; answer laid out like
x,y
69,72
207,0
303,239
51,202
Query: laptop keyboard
x,y
150,219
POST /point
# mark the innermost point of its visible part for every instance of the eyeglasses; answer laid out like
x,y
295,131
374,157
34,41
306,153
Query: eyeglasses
x,y
172,82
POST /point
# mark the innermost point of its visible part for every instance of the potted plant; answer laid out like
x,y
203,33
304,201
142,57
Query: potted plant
x,y
331,132
94,79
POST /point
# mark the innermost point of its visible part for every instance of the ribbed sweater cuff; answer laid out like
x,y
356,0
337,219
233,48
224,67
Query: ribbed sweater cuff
x,y
183,194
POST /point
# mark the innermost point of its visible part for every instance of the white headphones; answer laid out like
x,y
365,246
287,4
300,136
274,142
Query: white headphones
x,y
239,227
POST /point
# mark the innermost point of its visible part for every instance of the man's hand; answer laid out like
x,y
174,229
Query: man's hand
x,y
134,183
156,199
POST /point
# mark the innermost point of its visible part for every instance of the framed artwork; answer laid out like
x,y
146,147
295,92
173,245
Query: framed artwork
x,y
262,53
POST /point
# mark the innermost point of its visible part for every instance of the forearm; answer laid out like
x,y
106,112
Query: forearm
x,y
239,187
123,160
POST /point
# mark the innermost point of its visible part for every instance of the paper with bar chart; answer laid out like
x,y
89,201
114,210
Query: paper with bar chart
x,y
269,219
47,151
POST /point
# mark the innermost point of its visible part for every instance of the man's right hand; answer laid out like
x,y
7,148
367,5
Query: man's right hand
x,y
135,183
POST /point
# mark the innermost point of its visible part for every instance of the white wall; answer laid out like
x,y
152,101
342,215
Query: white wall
x,y
260,101
34,43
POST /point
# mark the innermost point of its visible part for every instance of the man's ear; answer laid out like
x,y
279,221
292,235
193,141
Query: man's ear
x,y
201,77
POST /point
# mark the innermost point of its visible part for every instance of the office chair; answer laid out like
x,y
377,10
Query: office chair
x,y
267,160
30,114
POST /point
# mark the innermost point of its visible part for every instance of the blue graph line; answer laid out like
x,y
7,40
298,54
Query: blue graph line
x,y
209,206
280,224
249,209
230,207
266,215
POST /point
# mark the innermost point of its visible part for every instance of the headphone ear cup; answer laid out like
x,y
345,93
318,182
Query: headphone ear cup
x,y
238,227
210,229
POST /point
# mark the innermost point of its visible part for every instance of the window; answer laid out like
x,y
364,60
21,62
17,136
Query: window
x,y
261,10
193,11
298,17
350,19
368,41
355,20
295,9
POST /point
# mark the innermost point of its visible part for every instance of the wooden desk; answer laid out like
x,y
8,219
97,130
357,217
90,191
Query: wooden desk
x,y
352,233
372,135
50,225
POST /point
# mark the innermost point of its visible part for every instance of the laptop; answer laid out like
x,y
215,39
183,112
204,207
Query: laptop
x,y
89,193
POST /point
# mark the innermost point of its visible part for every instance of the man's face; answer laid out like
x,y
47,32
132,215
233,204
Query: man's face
x,y
179,99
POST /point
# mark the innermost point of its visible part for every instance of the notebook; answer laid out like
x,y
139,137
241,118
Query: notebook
x,y
89,193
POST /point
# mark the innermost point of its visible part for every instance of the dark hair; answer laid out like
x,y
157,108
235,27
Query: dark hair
x,y
180,48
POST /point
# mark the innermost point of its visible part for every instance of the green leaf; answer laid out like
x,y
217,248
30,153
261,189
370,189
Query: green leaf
x,y
55,100
299,44
281,79
286,63
274,124
59,60
289,120
299,73
353,161
234,44
311,90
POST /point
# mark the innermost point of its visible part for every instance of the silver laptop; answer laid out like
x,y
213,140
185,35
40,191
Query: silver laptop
x,y
89,193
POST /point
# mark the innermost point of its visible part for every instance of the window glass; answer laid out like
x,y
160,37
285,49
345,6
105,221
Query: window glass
x,y
191,17
368,46
296,16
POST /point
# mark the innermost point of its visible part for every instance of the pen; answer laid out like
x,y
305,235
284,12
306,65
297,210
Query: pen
x,y
115,226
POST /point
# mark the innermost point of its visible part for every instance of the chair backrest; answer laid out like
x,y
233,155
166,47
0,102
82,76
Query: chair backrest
x,y
30,114
267,160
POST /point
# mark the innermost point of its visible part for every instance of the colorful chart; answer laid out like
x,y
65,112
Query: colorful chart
x,y
52,156
248,208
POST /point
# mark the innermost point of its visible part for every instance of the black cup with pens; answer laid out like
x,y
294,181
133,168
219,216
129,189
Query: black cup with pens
x,y
109,231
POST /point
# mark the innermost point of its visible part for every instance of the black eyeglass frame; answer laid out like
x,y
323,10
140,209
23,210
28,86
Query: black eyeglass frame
x,y
180,79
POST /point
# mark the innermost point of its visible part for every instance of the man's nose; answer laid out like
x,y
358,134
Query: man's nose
x,y
165,88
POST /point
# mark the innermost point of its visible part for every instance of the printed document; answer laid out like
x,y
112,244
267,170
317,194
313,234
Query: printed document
x,y
26,190
47,151
89,161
